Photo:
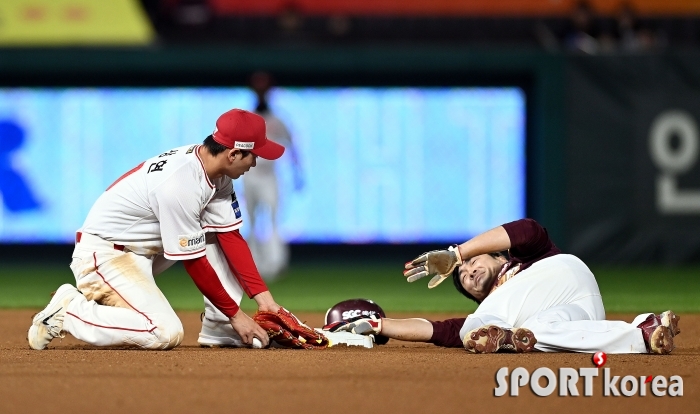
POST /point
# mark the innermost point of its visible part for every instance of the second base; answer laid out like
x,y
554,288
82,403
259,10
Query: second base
x,y
347,338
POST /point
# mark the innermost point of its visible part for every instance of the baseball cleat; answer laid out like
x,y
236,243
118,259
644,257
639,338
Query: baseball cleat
x,y
492,338
660,341
216,334
670,320
658,332
48,324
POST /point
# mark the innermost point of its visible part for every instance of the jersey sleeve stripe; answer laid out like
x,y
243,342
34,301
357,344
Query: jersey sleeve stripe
x,y
186,254
225,226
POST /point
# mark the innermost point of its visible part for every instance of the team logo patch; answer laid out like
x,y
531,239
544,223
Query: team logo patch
x,y
234,205
244,145
191,242
190,149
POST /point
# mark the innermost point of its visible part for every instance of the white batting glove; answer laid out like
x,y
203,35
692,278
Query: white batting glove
x,y
439,263
362,325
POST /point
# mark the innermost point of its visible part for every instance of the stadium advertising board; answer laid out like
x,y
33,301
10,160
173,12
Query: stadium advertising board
x,y
377,164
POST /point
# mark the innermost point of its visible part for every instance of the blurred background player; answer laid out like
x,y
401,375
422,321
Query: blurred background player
x,y
261,189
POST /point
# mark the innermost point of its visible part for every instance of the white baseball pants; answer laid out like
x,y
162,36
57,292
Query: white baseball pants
x,y
574,327
121,304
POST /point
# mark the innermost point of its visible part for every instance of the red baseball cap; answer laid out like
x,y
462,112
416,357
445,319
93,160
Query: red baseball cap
x,y
243,130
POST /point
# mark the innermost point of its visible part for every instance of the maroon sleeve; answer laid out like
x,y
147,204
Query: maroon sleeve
x,y
204,276
529,242
241,262
446,333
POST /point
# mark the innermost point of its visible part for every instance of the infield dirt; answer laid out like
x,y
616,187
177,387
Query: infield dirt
x,y
400,377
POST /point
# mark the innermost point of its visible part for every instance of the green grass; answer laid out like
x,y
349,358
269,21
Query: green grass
x,y
316,287
649,289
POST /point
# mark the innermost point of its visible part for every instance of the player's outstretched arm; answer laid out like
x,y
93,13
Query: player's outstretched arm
x,y
494,240
417,330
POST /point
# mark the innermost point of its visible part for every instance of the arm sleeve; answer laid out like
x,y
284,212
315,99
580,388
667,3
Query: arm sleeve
x,y
529,241
241,262
207,281
446,333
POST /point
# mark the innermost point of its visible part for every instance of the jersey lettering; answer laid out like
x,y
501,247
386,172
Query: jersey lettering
x,y
156,166
165,154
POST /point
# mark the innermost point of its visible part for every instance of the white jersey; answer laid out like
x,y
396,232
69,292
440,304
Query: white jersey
x,y
552,281
558,300
165,205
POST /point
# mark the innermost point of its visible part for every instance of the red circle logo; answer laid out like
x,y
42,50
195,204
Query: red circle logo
x,y
599,359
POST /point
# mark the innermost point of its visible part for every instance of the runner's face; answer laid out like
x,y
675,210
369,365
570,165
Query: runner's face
x,y
478,274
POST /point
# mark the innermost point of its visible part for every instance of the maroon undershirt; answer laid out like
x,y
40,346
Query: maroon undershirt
x,y
529,243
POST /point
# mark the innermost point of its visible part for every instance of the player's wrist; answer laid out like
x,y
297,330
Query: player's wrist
x,y
236,315
266,302
462,252
380,324
455,249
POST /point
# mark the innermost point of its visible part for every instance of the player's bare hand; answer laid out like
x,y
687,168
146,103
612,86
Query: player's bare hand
x,y
247,329
437,262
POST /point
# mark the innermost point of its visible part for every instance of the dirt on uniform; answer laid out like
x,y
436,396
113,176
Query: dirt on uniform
x,y
400,377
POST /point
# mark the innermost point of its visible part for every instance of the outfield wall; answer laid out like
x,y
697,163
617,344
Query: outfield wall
x,y
633,173
592,179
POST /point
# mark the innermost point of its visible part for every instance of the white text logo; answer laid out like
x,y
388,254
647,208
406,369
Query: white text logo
x,y
674,162
243,145
566,383
355,313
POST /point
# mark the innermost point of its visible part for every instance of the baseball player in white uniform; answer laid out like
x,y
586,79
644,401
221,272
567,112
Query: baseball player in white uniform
x,y
261,189
539,298
176,206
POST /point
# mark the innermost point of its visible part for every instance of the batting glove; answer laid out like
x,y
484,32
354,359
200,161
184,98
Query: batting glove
x,y
362,325
437,262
